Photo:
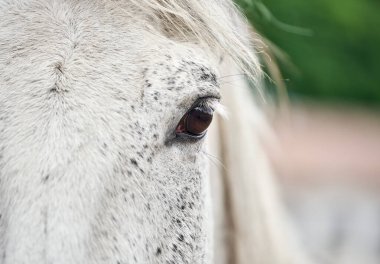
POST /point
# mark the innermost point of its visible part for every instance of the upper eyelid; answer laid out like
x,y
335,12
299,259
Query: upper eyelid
x,y
207,100
188,104
211,101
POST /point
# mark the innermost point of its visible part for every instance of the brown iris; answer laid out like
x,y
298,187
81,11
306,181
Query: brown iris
x,y
195,122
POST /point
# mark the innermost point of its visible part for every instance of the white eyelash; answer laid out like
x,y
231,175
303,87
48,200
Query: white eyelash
x,y
219,108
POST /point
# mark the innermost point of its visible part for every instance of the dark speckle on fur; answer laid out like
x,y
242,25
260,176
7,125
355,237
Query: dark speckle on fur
x,y
45,178
134,162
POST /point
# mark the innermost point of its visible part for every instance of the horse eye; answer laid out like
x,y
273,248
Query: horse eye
x,y
195,122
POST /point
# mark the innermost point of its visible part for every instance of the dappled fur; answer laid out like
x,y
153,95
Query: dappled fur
x,y
90,168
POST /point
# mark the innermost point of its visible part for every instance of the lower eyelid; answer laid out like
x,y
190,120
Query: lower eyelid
x,y
191,137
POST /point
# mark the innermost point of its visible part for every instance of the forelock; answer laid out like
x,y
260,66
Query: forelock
x,y
216,24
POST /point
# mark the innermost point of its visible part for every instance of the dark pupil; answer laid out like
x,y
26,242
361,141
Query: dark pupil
x,y
198,120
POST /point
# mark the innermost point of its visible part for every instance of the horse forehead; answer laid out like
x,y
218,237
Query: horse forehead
x,y
108,38
65,24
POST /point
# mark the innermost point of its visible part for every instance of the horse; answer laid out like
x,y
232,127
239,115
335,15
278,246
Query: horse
x,y
104,158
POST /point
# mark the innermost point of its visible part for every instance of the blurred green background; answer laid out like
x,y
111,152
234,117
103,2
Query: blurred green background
x,y
333,46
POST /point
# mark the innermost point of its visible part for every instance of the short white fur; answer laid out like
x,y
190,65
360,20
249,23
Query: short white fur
x,y
90,94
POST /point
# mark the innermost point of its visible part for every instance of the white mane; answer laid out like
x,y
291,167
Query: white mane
x,y
255,227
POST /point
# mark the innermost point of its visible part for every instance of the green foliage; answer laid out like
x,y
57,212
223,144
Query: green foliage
x,y
334,45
